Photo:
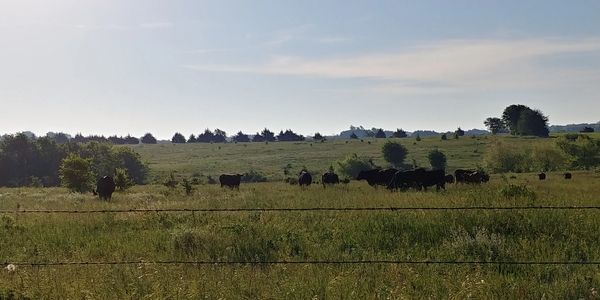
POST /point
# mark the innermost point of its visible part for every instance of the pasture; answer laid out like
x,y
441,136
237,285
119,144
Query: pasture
x,y
413,235
270,158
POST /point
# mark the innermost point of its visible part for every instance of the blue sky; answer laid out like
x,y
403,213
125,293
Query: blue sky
x,y
129,67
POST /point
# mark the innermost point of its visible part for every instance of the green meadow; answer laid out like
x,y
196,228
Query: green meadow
x,y
411,235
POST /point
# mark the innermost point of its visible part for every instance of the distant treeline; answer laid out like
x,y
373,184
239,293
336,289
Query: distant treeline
x,y
26,161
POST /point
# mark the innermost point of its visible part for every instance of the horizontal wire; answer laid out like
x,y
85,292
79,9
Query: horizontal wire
x,y
322,209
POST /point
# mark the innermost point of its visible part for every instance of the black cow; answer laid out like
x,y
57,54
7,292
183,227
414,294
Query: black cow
x,y
477,177
418,179
231,180
377,176
449,178
304,179
568,175
105,187
461,175
330,178
542,176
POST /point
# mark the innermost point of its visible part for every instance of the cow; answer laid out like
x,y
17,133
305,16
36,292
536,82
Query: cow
x,y
304,179
105,187
330,178
231,180
431,178
377,177
449,178
418,179
461,175
477,177
542,176
568,175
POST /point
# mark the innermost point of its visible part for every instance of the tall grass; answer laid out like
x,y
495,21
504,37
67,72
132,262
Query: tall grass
x,y
298,236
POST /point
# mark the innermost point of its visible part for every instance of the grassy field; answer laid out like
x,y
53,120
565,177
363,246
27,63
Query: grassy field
x,y
300,236
270,159
414,235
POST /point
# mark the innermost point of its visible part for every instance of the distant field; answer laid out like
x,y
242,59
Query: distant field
x,y
271,158
303,236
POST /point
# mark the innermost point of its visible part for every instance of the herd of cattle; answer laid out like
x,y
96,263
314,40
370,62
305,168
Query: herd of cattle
x,y
393,179
419,179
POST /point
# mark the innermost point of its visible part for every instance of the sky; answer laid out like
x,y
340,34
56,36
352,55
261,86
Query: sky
x,y
136,66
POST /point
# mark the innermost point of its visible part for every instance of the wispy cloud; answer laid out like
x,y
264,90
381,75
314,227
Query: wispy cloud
x,y
156,25
447,65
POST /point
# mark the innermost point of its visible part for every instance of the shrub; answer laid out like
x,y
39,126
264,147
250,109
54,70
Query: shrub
x,y
583,151
437,159
513,191
254,176
171,182
122,180
187,186
76,174
502,157
547,158
394,153
352,165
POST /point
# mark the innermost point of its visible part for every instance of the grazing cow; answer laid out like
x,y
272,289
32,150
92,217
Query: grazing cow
x,y
542,176
433,177
231,180
330,178
304,179
449,178
105,187
418,179
377,177
568,175
461,175
477,177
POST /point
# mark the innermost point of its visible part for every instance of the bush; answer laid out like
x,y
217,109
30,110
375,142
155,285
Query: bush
x,y
171,182
502,157
546,158
122,180
437,159
76,174
394,153
513,191
583,151
352,165
254,176
187,186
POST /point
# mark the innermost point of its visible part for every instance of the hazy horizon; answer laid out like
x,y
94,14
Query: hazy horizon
x,y
131,67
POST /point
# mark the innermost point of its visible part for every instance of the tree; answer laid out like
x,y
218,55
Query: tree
x,y
192,139
459,132
289,136
268,135
511,116
437,159
178,138
219,136
418,138
131,161
380,134
205,137
353,136
353,164
257,138
240,137
533,122
318,137
76,174
130,140
587,130
399,134
495,125
148,138
444,137
394,153
122,180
